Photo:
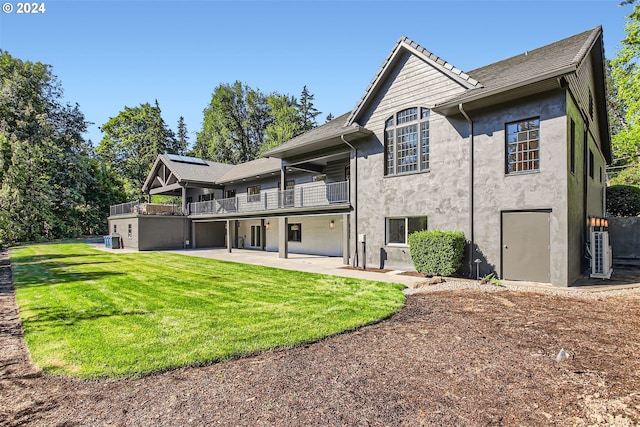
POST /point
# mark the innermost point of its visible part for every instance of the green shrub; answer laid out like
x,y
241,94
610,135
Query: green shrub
x,y
623,200
628,176
437,252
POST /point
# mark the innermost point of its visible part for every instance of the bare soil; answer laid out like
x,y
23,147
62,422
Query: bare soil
x,y
460,357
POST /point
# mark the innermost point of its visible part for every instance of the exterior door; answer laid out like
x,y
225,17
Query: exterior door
x,y
525,246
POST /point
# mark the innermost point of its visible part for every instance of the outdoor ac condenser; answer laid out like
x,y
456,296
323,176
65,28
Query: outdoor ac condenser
x,y
600,255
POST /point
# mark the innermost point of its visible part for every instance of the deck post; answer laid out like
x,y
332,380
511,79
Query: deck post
x,y
228,229
283,243
345,239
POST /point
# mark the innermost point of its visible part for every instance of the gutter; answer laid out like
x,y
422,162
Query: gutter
x,y
471,195
354,150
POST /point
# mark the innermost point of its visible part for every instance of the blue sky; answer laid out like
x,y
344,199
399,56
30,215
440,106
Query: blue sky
x,y
112,54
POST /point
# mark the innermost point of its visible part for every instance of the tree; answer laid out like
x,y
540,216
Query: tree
x,y
625,79
329,118
234,124
286,122
44,160
182,137
132,141
307,111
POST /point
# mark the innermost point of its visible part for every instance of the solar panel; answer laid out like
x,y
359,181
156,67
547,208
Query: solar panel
x,y
186,159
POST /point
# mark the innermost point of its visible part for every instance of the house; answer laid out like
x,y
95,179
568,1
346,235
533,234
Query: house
x,y
512,154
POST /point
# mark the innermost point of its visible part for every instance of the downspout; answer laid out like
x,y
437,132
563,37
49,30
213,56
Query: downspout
x,y
354,150
471,194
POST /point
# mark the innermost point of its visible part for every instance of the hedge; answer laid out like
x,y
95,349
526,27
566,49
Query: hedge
x,y
623,200
437,252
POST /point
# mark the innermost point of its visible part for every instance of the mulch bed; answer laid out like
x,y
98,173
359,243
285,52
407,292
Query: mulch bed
x,y
448,358
373,270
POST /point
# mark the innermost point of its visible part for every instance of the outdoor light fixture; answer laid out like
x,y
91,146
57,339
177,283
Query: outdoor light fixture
x,y
267,226
598,222
332,224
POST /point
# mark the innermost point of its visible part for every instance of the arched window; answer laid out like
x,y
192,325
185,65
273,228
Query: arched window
x,y
407,141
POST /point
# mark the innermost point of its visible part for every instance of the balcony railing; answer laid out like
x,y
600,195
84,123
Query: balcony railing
x,y
145,209
302,196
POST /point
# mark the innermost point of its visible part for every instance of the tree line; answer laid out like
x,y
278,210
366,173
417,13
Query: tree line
x,y
54,183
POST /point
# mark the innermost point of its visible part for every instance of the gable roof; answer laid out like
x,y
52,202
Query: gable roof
x,y
539,66
321,137
251,169
404,44
184,170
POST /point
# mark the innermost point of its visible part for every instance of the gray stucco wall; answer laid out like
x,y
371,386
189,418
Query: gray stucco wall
x,y
443,193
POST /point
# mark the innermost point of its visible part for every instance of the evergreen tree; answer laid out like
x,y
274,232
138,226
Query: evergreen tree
x,y
307,111
182,137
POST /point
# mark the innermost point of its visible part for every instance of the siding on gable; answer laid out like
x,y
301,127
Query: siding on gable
x,y
412,83
581,84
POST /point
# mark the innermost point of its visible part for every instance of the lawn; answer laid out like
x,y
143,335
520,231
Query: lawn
x,y
91,314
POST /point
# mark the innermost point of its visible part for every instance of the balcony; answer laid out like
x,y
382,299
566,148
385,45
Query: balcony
x,y
137,208
300,197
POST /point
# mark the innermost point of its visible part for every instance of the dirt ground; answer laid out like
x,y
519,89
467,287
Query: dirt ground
x,y
459,357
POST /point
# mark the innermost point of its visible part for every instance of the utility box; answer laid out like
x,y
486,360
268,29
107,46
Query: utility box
x,y
115,241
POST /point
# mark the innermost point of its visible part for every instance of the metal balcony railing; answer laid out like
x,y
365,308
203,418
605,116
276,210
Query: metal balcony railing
x,y
145,209
302,196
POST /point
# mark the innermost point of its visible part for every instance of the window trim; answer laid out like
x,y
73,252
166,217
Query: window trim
x,y
572,147
406,229
402,120
506,147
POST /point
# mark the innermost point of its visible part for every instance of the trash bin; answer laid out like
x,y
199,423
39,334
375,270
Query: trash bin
x,y
107,242
115,241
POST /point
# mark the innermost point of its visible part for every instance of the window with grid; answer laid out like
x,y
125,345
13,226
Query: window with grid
x,y
407,141
523,146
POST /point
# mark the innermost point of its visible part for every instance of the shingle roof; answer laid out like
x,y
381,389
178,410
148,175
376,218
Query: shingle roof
x,y
251,169
333,129
555,59
188,171
196,172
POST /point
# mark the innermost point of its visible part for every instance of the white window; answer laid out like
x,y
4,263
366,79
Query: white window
x,y
399,229
407,141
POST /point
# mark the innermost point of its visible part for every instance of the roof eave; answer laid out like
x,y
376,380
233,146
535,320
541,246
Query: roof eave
x,y
451,107
282,152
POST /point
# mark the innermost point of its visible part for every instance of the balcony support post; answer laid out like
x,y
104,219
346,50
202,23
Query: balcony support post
x,y
345,239
228,230
283,243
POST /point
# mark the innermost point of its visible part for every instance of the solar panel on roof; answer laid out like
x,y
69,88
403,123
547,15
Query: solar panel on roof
x,y
186,159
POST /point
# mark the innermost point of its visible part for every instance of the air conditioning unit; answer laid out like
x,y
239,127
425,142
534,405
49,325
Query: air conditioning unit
x,y
601,266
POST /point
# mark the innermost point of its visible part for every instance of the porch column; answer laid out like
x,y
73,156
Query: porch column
x,y
263,234
229,244
184,200
345,239
283,243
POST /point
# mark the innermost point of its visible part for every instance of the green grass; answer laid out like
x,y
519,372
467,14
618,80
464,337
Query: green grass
x,y
92,314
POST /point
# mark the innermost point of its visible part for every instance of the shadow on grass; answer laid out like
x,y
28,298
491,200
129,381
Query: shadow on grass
x,y
58,277
46,316
31,259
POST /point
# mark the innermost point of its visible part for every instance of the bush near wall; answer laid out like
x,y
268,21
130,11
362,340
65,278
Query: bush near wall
x,y
623,200
437,252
